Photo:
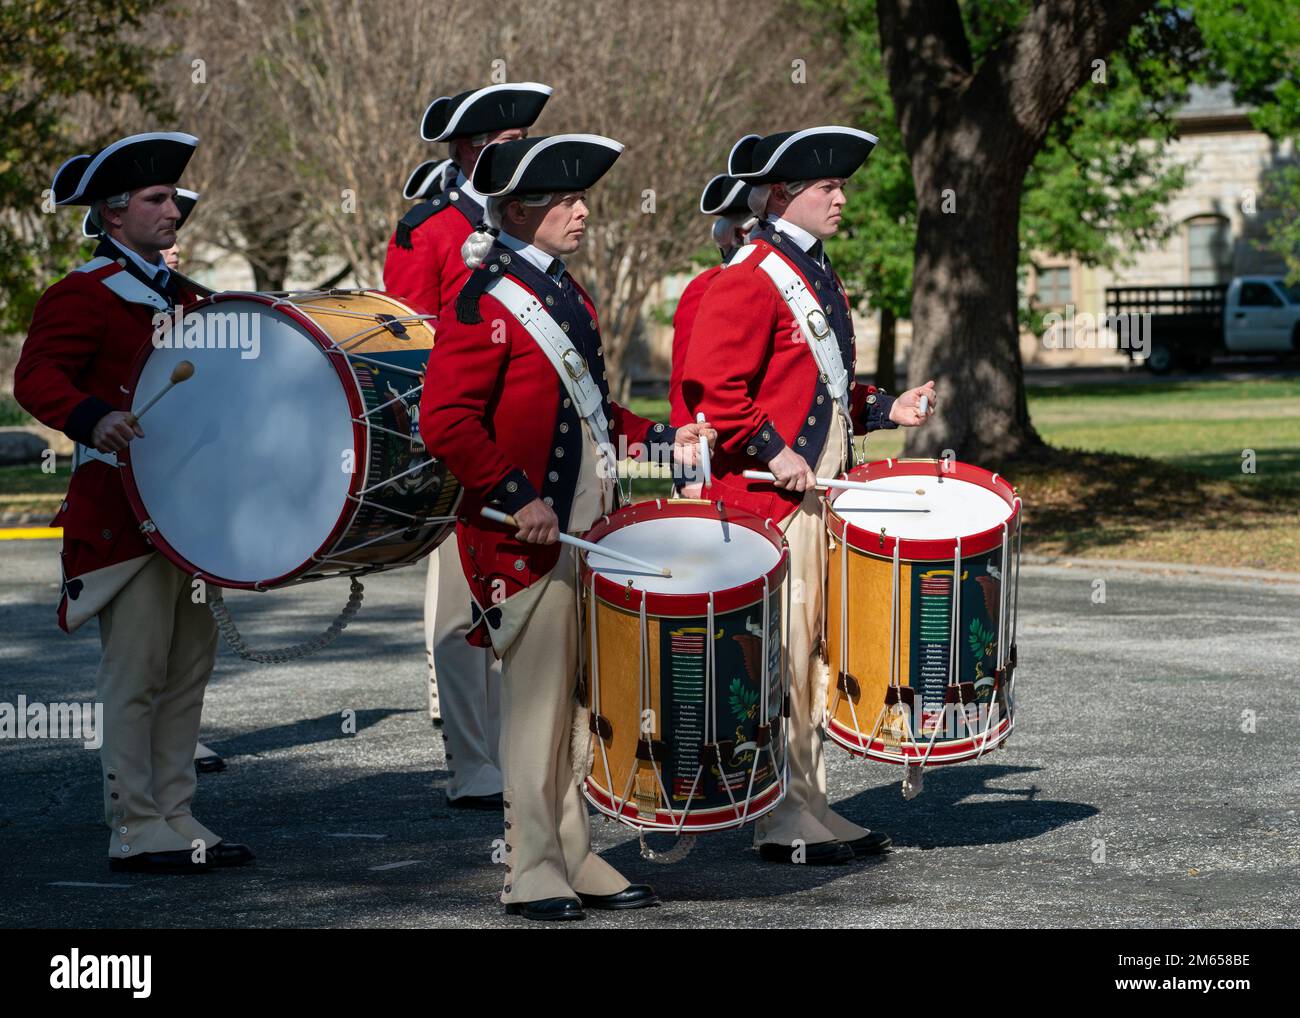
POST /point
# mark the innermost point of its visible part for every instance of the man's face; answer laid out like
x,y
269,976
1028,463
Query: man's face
x,y
817,207
557,228
148,223
172,256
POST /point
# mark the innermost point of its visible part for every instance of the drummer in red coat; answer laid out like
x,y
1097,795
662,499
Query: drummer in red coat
x,y
424,268
728,199
771,363
522,415
423,265
72,375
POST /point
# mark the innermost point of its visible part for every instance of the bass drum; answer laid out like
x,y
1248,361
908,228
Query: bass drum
x,y
294,451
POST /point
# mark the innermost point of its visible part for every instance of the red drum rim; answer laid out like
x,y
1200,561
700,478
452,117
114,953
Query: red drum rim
x,y
911,549
351,505
685,605
715,818
944,751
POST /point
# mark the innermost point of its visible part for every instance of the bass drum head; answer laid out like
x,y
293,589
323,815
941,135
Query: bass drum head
x,y
242,469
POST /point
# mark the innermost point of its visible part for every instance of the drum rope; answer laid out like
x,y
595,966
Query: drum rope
x,y
228,629
618,804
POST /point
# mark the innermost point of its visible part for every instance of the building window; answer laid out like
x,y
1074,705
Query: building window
x,y
1053,286
1209,250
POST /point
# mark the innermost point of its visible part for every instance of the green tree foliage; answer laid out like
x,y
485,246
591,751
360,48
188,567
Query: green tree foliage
x,y
59,59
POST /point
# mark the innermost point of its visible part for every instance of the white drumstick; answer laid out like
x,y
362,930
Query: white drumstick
x,y
180,373
830,482
704,452
925,404
578,542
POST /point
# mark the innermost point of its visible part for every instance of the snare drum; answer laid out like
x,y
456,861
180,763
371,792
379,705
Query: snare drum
x,y
921,611
685,674
294,452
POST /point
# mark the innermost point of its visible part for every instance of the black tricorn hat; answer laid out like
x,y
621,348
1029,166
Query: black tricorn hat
x,y
67,177
425,179
127,164
810,154
185,201
557,162
725,196
494,108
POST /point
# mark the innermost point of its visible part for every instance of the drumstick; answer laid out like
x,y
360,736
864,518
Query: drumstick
x,y
925,404
830,482
577,542
180,373
704,452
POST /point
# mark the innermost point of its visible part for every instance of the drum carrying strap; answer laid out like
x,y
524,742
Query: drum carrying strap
x,y
569,364
82,454
813,323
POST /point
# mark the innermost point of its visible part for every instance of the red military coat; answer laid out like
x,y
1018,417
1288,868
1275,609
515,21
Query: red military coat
x,y
688,306
429,272
749,369
75,366
496,412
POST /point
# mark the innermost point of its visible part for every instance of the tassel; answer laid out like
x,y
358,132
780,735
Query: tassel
x,y
403,238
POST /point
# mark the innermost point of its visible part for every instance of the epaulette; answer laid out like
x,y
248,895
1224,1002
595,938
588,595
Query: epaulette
x,y
416,215
467,309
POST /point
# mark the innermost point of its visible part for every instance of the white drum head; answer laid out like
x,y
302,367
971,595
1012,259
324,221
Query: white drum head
x,y
242,466
703,554
957,508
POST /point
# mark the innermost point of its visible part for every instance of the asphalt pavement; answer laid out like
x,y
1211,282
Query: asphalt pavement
x,y
1152,780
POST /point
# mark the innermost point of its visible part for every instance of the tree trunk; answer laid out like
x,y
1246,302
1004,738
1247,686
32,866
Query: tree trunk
x,y
965,331
885,351
971,134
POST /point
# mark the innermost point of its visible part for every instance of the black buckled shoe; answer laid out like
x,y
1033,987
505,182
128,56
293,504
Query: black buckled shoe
x,y
494,802
632,896
180,862
548,910
225,854
871,843
823,853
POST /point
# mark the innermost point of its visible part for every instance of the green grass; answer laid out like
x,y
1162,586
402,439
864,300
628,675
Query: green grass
x,y
11,414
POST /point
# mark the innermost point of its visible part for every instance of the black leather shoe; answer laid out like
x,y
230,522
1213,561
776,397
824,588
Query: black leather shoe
x,y
871,843
824,853
180,862
225,854
632,896
209,764
548,910
485,802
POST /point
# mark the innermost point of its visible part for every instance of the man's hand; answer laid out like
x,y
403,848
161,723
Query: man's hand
x,y
686,444
114,431
907,407
538,523
792,471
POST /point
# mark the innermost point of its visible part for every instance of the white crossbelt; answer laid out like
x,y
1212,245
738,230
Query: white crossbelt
x,y
813,323
569,364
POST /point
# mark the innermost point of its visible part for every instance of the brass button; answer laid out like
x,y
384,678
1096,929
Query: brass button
x,y
559,453
566,404
553,476
550,300
812,420
453,195
548,500
564,326
564,429
821,399
801,440
519,564
751,451
106,534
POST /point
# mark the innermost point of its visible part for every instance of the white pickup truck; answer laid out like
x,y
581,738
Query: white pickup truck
x,y
1190,324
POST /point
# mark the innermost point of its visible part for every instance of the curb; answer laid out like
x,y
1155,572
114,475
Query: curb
x,y
1140,566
